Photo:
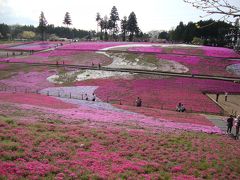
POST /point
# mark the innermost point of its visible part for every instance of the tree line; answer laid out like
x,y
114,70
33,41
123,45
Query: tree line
x,y
111,29
208,32
43,31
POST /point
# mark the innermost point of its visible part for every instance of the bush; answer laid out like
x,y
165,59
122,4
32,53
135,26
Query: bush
x,y
197,41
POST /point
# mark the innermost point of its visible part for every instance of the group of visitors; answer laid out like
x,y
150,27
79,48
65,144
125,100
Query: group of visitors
x,y
87,98
233,121
180,108
225,96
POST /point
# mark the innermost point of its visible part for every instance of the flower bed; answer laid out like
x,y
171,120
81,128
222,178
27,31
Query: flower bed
x,y
164,93
219,52
91,45
170,115
3,66
54,150
31,80
151,49
200,65
188,51
35,46
34,99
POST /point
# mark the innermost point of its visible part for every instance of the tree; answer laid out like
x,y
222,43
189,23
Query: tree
x,y
114,17
222,7
98,19
179,32
124,28
197,41
105,25
4,31
163,35
132,26
67,19
28,34
42,25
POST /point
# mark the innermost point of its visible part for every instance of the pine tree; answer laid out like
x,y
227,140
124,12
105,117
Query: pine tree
x,y
42,25
105,27
114,17
132,26
67,19
99,23
124,28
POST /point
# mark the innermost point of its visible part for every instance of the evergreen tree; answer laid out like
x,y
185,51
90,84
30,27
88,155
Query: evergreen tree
x,y
98,19
99,23
105,24
179,31
67,19
124,28
163,35
4,31
114,17
132,26
42,25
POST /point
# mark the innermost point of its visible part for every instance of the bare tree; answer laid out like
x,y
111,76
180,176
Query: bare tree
x,y
223,7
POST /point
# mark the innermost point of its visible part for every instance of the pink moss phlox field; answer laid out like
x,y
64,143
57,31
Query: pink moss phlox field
x,y
48,150
6,46
91,45
35,46
71,57
31,80
56,52
164,93
34,99
3,66
152,49
219,52
200,65
192,51
170,115
113,118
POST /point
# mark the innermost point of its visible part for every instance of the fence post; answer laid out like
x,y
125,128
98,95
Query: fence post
x,y
82,96
70,95
58,94
47,93
107,99
120,102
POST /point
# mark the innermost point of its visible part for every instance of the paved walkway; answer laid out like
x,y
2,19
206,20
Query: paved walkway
x,y
220,122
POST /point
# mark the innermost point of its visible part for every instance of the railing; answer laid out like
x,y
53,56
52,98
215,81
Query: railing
x,y
81,96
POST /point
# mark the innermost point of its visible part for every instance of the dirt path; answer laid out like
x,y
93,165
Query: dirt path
x,y
231,106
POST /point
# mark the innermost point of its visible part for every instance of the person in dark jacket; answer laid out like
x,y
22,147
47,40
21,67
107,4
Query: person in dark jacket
x,y
230,124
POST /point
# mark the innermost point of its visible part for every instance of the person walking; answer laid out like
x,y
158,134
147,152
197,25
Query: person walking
x,y
217,96
237,127
230,124
93,97
86,97
226,96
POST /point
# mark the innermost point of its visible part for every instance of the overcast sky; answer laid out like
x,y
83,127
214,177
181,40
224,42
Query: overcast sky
x,y
151,14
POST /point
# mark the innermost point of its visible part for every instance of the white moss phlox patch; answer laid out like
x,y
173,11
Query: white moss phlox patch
x,y
97,74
